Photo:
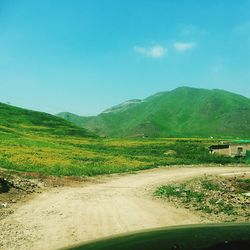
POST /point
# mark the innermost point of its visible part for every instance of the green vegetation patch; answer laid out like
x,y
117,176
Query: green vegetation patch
x,y
18,121
226,198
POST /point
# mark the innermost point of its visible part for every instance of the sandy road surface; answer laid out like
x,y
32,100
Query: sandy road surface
x,y
65,216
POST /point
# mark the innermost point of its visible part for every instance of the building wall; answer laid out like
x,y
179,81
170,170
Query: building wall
x,y
232,150
223,151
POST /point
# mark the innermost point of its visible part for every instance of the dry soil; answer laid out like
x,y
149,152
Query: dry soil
x,y
65,216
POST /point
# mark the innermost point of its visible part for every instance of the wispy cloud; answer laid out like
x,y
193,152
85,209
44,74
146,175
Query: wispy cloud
x,y
191,30
184,46
156,51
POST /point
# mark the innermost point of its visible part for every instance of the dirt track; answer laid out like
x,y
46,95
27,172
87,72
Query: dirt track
x,y
66,216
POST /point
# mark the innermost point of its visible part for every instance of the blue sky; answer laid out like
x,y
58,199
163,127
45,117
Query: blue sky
x,y
85,56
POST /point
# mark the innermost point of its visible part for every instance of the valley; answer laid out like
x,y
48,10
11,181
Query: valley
x,y
63,183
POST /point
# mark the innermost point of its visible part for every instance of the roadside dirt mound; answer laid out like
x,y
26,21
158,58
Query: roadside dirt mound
x,y
221,198
14,189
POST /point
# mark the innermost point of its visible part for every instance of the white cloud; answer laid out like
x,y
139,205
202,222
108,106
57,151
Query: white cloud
x,y
156,51
181,46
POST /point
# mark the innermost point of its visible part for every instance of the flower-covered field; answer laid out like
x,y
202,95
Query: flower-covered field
x,y
68,155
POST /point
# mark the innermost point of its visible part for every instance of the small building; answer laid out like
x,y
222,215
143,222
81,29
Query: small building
x,y
233,150
220,149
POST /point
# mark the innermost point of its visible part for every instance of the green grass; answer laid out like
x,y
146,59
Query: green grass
x,y
14,120
209,185
244,184
76,156
180,191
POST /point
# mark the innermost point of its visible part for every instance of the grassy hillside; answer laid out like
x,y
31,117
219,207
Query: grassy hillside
x,y
22,121
38,142
183,112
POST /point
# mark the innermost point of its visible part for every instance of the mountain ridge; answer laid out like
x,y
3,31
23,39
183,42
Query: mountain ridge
x,y
182,112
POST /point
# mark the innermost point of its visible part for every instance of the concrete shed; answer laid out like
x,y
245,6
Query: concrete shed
x,y
233,150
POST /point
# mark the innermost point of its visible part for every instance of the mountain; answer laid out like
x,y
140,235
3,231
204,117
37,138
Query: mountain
x,y
182,112
18,120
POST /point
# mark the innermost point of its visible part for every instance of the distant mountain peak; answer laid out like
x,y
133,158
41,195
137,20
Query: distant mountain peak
x,y
182,112
122,106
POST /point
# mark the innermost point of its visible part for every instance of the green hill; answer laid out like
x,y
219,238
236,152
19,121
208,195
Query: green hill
x,y
23,121
75,119
183,112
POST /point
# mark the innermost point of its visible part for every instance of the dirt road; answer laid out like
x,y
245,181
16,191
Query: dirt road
x,y
66,216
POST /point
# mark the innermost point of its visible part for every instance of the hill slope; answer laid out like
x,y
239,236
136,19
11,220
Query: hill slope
x,y
183,112
18,120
